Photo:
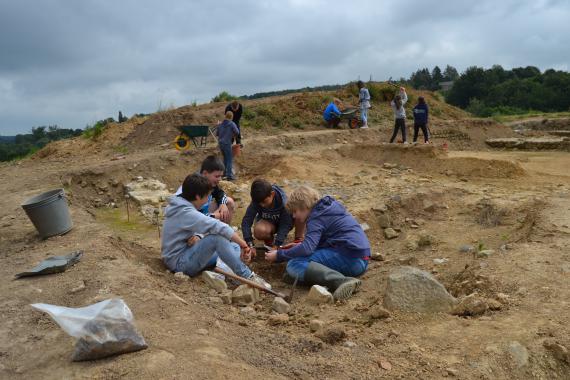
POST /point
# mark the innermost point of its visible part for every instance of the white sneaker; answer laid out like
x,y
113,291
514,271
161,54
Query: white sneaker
x,y
405,142
255,278
365,126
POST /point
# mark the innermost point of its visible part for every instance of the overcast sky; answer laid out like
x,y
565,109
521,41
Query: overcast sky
x,y
72,62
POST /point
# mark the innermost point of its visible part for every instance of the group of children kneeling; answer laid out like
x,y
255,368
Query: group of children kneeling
x,y
332,114
330,247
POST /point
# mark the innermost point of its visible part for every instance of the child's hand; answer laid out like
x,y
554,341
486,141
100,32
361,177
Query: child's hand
x,y
246,255
271,256
193,240
290,245
403,89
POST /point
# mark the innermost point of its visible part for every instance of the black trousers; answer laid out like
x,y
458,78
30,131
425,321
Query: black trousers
x,y
399,125
424,129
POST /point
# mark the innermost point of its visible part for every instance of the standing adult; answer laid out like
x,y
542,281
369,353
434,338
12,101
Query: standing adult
x,y
364,102
237,109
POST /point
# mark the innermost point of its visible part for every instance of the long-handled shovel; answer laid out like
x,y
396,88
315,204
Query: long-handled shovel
x,y
253,284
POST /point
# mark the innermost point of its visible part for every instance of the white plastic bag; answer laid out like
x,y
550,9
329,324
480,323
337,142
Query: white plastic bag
x,y
103,329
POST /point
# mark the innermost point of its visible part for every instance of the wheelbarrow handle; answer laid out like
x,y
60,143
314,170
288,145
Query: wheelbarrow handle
x,y
250,283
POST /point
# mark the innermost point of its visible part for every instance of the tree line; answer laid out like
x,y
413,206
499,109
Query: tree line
x,y
13,147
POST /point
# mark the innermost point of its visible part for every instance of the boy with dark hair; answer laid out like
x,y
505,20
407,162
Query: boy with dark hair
x,y
421,117
237,109
272,220
183,247
218,205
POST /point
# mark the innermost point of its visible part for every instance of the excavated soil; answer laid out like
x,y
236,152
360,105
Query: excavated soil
x,y
438,199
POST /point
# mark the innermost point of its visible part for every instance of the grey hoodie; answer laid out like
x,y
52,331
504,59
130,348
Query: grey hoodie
x,y
182,221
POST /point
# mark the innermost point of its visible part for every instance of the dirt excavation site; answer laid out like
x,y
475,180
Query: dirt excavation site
x,y
469,277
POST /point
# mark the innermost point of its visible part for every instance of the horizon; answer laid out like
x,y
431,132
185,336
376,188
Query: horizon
x,y
71,64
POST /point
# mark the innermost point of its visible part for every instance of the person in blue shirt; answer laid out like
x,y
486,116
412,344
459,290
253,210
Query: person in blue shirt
x,y
421,117
226,132
335,249
332,113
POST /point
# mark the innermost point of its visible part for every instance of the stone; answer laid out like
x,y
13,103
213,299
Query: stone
x,y
378,312
559,351
425,240
247,311
390,233
181,276
278,319
319,295
78,288
381,208
316,325
384,220
226,297
485,253
440,261
502,298
429,206
471,305
280,306
389,165
214,280
452,372
365,227
332,335
409,260
412,289
147,191
244,295
494,304
377,256
349,344
467,249
519,354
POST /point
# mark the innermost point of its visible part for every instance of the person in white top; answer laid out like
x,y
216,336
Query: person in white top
x,y
364,102
399,115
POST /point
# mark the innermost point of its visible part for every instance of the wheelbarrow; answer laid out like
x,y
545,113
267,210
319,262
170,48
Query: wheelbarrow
x,y
197,134
352,117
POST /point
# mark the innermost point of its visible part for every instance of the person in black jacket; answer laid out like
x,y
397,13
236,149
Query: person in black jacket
x,y
421,117
219,205
237,110
267,210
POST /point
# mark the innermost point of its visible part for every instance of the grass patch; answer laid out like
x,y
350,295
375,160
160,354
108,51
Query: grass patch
x,y
116,219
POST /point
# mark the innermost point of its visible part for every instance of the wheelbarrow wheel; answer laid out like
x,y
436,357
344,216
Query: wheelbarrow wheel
x,y
182,142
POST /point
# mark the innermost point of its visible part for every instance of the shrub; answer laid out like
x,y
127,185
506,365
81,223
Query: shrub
x,y
94,131
223,96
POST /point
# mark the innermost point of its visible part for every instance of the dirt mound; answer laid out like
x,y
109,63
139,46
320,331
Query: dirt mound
x,y
430,159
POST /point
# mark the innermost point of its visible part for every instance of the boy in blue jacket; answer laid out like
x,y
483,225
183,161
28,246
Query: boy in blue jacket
x,y
335,248
421,114
192,241
272,220
332,113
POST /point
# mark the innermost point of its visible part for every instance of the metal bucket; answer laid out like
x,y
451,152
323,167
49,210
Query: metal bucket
x,y
49,213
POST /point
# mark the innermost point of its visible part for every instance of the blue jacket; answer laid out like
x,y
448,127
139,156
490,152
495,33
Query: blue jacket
x,y
329,225
330,111
226,131
421,114
277,215
181,222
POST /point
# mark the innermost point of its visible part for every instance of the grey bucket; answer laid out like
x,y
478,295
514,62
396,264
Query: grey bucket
x,y
49,213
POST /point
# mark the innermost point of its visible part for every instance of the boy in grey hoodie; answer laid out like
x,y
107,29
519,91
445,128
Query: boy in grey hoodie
x,y
192,241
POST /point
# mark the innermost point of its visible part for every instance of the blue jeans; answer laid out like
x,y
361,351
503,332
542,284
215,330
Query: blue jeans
x,y
228,159
348,266
364,115
205,252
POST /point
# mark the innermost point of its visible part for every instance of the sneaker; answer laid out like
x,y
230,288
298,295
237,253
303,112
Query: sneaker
x,y
365,126
405,142
255,278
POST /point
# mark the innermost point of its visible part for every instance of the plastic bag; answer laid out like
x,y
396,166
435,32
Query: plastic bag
x,y
103,329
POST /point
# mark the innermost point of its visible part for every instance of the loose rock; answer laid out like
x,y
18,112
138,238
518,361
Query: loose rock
x,y
248,311
315,325
471,305
181,276
384,221
214,281
485,253
412,289
280,306
278,319
519,354
378,312
467,249
559,351
226,297
377,256
244,295
332,335
78,288
319,295
390,233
